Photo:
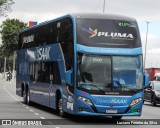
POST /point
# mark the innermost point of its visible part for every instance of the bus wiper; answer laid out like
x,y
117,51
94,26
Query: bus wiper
x,y
90,84
97,87
132,90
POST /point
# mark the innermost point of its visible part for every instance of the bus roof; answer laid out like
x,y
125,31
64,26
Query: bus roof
x,y
86,16
103,16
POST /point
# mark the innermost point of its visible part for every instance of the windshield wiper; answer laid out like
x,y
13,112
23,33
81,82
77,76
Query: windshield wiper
x,y
132,90
90,84
98,88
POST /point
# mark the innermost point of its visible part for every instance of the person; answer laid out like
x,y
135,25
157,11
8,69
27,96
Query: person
x,y
8,76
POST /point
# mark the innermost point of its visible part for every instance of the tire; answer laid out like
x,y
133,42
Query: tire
x,y
60,107
117,117
28,98
24,96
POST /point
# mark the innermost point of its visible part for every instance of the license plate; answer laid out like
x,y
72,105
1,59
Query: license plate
x,y
113,111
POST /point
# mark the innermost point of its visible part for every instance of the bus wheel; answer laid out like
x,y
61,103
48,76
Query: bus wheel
x,y
28,98
24,96
60,107
116,117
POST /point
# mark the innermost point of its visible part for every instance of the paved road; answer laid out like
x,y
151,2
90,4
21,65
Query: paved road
x,y
11,107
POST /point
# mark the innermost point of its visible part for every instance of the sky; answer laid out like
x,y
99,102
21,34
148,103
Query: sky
x,y
141,10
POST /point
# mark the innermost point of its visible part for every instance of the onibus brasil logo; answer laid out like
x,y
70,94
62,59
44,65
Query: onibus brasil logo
x,y
112,35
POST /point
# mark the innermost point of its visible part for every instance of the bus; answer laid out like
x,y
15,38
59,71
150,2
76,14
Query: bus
x,y
87,64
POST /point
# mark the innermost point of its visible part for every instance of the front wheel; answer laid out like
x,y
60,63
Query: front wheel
x,y
60,107
26,97
117,117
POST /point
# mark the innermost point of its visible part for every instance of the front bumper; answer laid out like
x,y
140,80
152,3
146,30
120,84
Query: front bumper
x,y
87,110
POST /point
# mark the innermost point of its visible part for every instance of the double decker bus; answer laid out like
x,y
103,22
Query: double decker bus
x,y
83,64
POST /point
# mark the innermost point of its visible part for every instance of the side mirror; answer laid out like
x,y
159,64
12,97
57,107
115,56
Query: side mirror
x,y
69,77
146,79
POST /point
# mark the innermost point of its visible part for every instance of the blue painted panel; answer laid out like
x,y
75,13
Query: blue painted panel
x,y
109,51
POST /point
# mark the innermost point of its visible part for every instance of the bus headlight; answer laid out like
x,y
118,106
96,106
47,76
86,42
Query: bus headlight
x,y
86,100
136,101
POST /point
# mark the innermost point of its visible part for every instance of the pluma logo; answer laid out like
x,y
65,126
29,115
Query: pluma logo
x,y
112,35
92,32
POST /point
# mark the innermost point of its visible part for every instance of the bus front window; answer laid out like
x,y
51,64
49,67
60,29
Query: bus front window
x,y
109,73
127,72
94,72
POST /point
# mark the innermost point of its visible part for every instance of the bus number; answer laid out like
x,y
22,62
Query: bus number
x,y
97,60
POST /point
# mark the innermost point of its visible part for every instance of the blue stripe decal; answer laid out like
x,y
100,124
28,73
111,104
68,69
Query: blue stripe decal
x,y
109,51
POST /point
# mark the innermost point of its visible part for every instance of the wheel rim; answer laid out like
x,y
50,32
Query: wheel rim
x,y
28,97
60,106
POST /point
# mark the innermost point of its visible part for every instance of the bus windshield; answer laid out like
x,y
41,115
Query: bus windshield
x,y
108,33
105,73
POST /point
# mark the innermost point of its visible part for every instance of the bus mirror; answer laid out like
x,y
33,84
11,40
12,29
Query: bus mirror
x,y
69,77
146,79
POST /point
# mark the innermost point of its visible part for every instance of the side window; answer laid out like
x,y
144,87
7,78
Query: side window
x,y
32,73
19,41
46,34
56,73
45,72
45,75
37,71
65,38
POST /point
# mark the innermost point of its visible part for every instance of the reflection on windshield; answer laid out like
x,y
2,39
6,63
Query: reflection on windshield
x,y
127,71
106,73
95,70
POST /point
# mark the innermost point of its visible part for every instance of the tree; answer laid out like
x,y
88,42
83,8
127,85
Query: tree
x,y
9,31
5,7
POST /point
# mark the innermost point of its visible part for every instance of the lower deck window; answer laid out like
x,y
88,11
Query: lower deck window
x,y
46,72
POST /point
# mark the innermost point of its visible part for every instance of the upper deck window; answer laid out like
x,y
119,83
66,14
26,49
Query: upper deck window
x,y
108,33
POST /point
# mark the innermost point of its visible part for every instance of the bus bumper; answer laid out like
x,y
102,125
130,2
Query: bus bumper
x,y
87,110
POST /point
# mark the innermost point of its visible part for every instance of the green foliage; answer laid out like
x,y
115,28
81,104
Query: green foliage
x,y
5,7
9,64
9,30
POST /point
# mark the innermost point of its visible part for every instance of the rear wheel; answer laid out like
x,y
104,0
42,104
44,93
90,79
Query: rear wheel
x,y
117,117
24,96
28,97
